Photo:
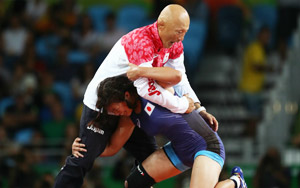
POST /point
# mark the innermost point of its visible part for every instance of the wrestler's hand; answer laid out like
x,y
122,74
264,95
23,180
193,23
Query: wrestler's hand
x,y
77,147
191,104
210,119
133,72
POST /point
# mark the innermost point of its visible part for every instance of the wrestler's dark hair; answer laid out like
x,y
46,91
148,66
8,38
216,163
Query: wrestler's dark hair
x,y
111,90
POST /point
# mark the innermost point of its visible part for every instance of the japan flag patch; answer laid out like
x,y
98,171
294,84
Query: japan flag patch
x,y
149,108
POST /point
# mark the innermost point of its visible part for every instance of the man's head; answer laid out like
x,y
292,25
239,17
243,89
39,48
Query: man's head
x,y
173,23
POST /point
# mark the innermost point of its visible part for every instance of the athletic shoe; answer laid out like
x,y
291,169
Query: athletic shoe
x,y
237,171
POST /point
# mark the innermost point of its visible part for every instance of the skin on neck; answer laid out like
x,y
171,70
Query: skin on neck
x,y
138,108
173,23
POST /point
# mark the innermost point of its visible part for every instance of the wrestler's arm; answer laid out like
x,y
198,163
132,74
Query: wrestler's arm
x,y
119,137
117,140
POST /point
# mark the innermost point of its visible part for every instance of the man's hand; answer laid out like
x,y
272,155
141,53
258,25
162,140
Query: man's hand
x,y
133,72
210,119
77,147
191,104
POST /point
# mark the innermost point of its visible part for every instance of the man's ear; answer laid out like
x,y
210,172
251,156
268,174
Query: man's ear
x,y
160,25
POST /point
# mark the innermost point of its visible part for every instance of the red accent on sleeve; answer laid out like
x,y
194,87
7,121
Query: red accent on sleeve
x,y
152,90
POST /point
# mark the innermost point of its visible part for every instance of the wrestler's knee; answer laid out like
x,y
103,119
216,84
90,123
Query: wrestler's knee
x,y
139,178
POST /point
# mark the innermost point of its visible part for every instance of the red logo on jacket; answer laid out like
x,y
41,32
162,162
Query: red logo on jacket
x,y
152,89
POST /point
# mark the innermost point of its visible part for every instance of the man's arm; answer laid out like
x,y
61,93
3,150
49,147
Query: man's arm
x,y
165,76
184,87
154,92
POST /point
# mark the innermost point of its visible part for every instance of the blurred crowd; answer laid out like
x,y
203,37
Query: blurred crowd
x,y
49,51
41,86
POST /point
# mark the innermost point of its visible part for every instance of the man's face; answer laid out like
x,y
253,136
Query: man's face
x,y
173,32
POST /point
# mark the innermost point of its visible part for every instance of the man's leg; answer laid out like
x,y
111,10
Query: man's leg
x,y
73,172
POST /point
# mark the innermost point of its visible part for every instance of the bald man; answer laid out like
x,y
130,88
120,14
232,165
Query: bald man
x,y
152,56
